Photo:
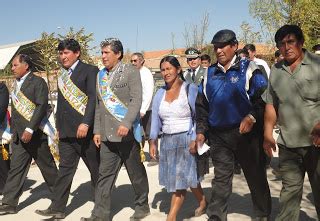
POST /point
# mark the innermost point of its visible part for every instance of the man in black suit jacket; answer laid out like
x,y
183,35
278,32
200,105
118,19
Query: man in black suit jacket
x,y
4,164
74,127
28,140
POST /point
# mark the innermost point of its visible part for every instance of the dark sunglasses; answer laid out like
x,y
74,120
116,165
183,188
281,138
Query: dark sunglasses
x,y
191,59
132,61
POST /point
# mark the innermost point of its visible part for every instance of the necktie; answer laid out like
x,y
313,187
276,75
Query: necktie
x,y
193,77
69,72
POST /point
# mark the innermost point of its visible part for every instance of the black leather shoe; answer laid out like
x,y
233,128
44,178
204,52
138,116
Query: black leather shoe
x,y
92,218
7,209
50,212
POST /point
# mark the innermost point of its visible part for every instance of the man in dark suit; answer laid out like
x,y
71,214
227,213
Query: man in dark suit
x,y
75,116
119,97
29,107
4,164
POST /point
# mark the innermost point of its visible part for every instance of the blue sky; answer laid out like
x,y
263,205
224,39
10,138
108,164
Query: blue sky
x,y
155,19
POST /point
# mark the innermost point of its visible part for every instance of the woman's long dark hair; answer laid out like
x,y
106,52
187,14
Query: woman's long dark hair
x,y
173,61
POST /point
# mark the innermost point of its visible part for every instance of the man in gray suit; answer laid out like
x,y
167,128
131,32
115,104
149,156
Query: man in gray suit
x,y
195,72
29,108
119,97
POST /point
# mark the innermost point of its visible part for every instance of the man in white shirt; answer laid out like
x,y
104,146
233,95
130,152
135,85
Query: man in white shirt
x,y
260,62
147,81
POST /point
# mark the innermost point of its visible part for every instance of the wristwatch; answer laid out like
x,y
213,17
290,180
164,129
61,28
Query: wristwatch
x,y
252,118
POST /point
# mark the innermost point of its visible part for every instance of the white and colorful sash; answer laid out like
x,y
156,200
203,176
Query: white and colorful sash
x,y
113,104
75,97
26,108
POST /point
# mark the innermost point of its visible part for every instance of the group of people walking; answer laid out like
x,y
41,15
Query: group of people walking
x,y
231,105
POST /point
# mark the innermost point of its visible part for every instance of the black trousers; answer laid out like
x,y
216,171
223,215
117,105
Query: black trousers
x,y
21,157
225,146
70,150
113,155
4,169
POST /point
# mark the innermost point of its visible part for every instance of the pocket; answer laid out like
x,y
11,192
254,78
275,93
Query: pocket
x,y
309,88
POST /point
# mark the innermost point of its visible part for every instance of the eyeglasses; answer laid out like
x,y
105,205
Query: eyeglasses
x,y
191,59
133,61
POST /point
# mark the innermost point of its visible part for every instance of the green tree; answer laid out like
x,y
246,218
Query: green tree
x,y
306,14
46,47
272,14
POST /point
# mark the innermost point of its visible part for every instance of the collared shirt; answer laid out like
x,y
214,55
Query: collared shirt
x,y
73,66
189,70
20,82
231,63
296,95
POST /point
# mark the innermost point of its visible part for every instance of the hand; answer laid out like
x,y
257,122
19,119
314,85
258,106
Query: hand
x,y
153,151
192,147
269,145
82,131
122,131
200,140
315,135
26,137
245,125
141,115
97,140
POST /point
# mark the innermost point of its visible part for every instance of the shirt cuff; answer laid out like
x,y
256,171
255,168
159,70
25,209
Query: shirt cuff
x,y
29,130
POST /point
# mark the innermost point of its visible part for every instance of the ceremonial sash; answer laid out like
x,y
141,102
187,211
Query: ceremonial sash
x,y
75,97
26,108
113,104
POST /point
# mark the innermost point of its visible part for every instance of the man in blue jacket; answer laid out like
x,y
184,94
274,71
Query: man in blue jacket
x,y
230,113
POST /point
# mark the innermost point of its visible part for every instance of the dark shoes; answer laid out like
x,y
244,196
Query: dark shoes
x,y
91,218
50,212
140,214
7,209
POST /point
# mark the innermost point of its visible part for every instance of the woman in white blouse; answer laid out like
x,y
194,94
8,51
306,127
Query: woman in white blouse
x,y
173,114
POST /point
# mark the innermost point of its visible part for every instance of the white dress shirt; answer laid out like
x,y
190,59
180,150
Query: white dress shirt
x,y
147,89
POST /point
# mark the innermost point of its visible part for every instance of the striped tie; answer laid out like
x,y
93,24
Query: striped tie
x,y
70,72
